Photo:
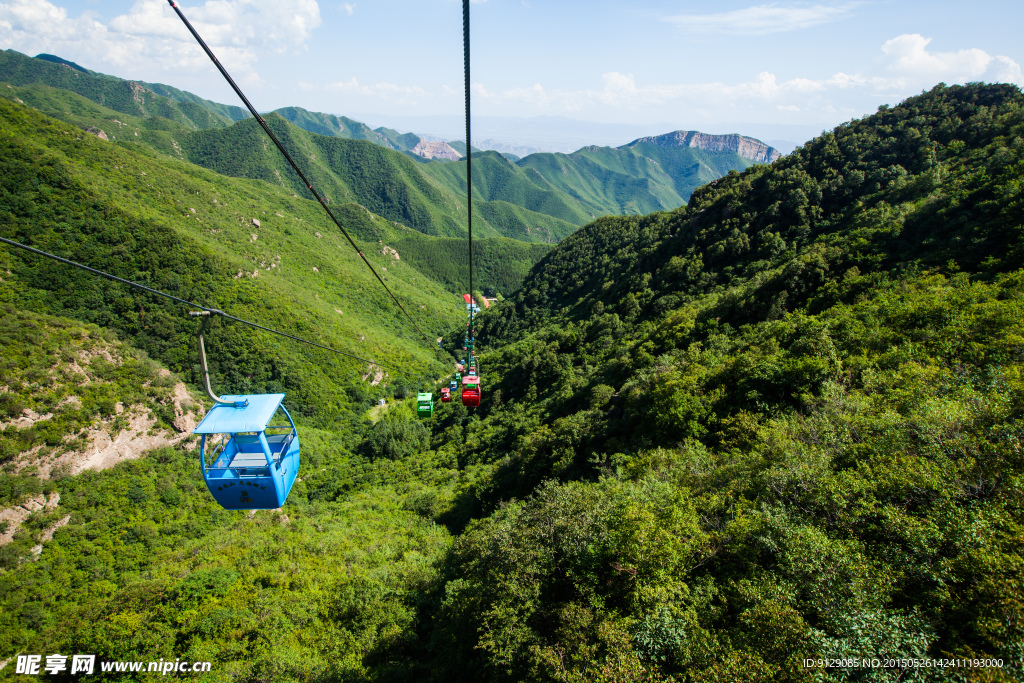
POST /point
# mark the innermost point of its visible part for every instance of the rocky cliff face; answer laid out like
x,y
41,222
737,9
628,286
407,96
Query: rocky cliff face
x,y
748,148
435,150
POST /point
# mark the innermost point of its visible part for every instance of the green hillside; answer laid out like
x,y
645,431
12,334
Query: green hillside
x,y
426,197
780,424
758,429
429,255
147,530
541,198
228,111
385,181
630,180
688,167
127,97
59,60
396,140
344,127
335,126
499,264
495,178
175,226
160,133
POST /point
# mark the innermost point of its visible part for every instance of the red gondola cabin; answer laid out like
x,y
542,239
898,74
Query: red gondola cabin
x,y
471,392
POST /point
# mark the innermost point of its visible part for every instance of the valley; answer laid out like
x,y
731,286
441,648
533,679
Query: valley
x,y
738,412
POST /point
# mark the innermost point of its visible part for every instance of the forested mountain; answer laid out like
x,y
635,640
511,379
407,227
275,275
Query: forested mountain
x,y
648,174
780,423
424,197
750,149
386,182
540,198
127,97
344,127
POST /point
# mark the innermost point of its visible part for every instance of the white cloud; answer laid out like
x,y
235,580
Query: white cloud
x,y
348,8
401,94
908,59
622,91
150,38
762,19
276,25
905,68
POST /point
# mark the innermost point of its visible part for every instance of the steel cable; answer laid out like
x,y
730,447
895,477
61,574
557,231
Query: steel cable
x,y
213,311
270,133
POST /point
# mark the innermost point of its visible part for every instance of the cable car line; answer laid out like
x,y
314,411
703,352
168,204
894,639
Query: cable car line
x,y
469,147
212,311
295,167
256,467
471,381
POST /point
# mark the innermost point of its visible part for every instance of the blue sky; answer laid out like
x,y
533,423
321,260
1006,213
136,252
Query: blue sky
x,y
682,64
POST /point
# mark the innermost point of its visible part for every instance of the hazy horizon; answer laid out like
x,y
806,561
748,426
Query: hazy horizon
x,y
718,67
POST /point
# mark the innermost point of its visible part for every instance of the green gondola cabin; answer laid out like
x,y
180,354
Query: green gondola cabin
x,y
424,405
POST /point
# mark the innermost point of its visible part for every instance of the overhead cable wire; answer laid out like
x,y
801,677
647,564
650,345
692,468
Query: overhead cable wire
x,y
295,167
212,311
469,150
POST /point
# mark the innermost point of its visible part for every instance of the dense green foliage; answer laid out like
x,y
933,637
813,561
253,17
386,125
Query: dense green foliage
x,y
127,97
629,179
793,413
149,567
189,232
425,197
784,421
499,265
146,548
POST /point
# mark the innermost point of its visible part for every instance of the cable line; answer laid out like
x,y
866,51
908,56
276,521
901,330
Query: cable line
x,y
469,146
470,382
212,311
287,156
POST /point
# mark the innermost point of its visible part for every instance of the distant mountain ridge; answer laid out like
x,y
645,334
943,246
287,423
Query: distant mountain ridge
x,y
60,60
748,148
124,96
542,197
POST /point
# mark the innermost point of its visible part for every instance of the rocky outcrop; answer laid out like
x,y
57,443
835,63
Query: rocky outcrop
x,y
435,150
12,517
748,148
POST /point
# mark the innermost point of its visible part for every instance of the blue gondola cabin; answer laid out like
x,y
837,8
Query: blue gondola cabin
x,y
253,465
